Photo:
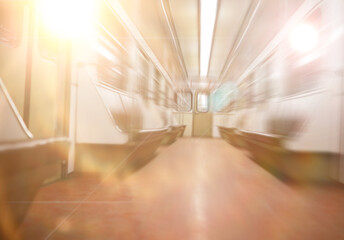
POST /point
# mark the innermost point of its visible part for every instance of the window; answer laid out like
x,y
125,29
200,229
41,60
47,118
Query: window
x,y
11,22
302,67
144,75
151,82
157,83
171,103
202,102
184,101
222,98
167,95
162,91
114,60
259,85
113,66
304,78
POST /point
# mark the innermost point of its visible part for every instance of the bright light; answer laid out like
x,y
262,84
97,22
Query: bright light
x,y
69,18
208,17
304,38
105,53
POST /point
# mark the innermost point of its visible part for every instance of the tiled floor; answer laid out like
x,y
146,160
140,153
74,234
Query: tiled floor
x,y
194,189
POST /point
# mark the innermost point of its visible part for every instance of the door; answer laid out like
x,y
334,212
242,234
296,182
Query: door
x,y
341,141
202,117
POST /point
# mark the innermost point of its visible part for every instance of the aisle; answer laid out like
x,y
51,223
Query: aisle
x,y
194,189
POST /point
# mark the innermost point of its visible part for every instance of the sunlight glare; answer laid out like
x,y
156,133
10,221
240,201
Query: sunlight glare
x,y
304,38
68,18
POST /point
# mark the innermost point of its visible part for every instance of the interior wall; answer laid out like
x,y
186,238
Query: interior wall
x,y
10,127
94,122
219,119
184,118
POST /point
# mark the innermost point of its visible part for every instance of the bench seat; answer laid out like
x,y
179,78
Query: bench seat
x,y
24,167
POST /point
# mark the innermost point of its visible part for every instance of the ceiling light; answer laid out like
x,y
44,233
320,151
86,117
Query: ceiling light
x,y
208,17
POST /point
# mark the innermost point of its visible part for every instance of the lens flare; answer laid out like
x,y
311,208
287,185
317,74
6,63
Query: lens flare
x,y
68,18
304,38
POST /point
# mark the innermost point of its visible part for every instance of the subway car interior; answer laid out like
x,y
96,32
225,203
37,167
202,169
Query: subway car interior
x,y
172,119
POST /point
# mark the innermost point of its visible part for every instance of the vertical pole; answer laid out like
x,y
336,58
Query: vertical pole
x,y
67,88
67,101
341,142
28,76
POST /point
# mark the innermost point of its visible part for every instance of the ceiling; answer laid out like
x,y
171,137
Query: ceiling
x,y
243,29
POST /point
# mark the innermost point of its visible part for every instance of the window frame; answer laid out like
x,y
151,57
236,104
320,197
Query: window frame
x,y
198,101
22,5
176,101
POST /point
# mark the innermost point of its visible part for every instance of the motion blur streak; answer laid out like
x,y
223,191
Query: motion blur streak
x,y
172,119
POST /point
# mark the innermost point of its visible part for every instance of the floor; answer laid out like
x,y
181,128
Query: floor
x,y
194,189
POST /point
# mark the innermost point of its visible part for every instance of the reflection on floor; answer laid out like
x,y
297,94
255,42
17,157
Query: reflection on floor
x,y
194,189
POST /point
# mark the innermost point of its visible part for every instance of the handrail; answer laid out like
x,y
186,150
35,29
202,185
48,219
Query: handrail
x,y
239,131
112,89
104,104
111,36
124,108
249,16
167,13
307,8
117,9
261,133
102,83
15,111
152,130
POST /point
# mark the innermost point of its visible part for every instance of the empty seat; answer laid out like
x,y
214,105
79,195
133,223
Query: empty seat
x,y
111,129
25,163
